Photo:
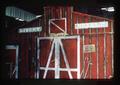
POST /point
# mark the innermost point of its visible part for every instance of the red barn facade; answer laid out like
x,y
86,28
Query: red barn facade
x,y
70,45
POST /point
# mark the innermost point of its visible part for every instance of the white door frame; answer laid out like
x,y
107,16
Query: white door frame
x,y
57,44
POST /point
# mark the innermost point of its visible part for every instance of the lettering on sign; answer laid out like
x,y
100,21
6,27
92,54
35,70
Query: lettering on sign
x,y
101,24
30,29
89,48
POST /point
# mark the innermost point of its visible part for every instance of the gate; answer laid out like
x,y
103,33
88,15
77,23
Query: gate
x,y
53,59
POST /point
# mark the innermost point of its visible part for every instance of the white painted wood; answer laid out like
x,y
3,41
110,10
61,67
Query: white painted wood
x,y
60,69
65,25
83,69
11,47
57,58
66,61
97,55
105,55
112,54
30,29
49,27
60,37
57,43
49,58
78,57
57,19
17,56
102,24
38,59
88,66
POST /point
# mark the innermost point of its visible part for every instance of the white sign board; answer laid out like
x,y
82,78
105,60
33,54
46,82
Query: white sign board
x,y
29,30
101,24
89,48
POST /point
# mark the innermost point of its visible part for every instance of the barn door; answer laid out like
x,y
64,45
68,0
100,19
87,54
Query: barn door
x,y
58,57
12,54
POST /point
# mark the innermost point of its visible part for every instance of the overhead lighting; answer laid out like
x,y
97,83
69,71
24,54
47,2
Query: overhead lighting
x,y
38,16
104,9
19,19
109,9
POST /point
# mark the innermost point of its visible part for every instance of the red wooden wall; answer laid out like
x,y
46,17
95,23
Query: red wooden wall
x,y
102,39
102,59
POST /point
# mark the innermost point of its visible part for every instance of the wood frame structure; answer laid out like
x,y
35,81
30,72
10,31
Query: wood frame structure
x,y
58,44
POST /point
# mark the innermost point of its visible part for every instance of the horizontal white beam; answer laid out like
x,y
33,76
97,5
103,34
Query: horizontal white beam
x,y
60,37
57,19
61,69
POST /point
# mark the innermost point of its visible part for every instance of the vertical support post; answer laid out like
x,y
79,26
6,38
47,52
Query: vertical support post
x,y
35,57
60,12
88,67
45,21
90,41
71,21
57,58
112,42
38,63
17,55
78,57
83,38
65,19
97,50
65,25
77,22
65,10
49,58
40,23
77,29
105,56
49,26
52,12
66,61
29,53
